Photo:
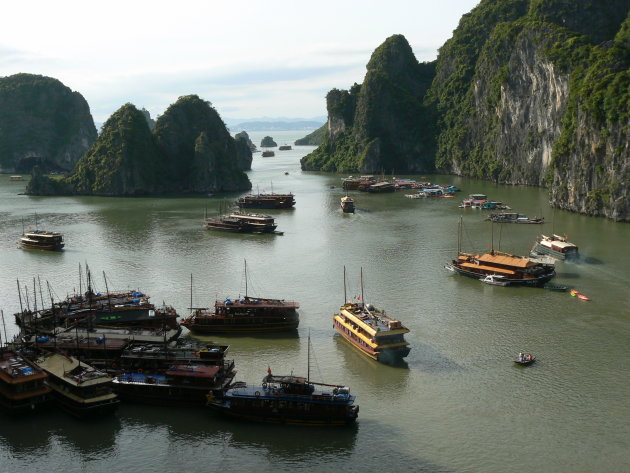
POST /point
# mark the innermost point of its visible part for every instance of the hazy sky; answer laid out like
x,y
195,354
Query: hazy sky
x,y
275,58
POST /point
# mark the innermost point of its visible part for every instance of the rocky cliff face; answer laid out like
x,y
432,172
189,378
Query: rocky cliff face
x,y
42,122
379,126
530,92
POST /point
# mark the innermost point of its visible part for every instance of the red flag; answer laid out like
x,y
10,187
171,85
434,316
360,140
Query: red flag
x,y
358,297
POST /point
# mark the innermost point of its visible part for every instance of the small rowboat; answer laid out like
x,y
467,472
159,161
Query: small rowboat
x,y
525,360
579,295
556,287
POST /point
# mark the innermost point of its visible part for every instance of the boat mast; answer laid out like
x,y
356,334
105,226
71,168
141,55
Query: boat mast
x,y
492,237
191,301
308,359
6,341
20,296
362,296
109,299
459,236
245,279
345,297
80,280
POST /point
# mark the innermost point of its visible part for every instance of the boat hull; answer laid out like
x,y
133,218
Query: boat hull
x,y
240,326
386,355
281,418
84,409
544,250
537,281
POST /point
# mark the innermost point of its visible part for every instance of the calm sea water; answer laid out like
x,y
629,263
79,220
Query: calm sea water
x,y
457,405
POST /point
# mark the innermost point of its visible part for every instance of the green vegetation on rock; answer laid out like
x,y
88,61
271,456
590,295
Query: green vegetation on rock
x,y
42,122
189,151
267,142
314,138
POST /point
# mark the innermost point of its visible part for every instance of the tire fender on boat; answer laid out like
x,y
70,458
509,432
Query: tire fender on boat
x,y
257,394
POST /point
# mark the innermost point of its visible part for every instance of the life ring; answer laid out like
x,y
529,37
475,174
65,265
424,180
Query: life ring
x,y
276,394
257,394
264,385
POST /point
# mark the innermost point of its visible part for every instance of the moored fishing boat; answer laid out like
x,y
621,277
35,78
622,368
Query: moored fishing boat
x,y
22,384
288,399
556,246
184,384
513,217
266,201
246,314
268,154
524,359
78,388
371,330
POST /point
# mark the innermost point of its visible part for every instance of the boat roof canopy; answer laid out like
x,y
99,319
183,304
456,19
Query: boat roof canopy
x,y
505,260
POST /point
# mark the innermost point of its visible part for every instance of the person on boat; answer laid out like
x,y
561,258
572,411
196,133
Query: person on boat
x,y
520,356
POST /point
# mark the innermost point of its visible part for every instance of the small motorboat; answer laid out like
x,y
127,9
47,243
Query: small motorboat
x,y
495,280
525,359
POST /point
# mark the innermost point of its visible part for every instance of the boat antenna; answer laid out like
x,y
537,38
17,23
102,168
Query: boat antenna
x,y
362,296
345,297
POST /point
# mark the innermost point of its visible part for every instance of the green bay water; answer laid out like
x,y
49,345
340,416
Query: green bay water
x,y
458,404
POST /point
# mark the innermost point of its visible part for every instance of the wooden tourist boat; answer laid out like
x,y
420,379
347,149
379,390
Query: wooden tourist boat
x,y
347,204
78,388
515,270
246,314
268,154
22,384
42,240
284,147
266,201
16,178
557,247
239,222
371,330
288,400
